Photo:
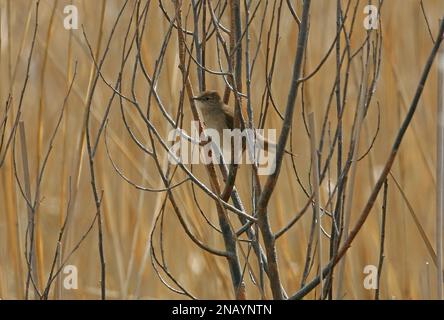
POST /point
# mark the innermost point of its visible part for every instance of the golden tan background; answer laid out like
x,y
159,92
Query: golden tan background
x,y
408,271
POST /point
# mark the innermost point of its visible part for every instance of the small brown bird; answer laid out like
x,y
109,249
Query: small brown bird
x,y
218,116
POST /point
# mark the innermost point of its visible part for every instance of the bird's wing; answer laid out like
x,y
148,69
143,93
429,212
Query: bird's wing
x,y
229,116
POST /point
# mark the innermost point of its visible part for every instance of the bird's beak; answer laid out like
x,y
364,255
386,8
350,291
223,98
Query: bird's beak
x,y
195,98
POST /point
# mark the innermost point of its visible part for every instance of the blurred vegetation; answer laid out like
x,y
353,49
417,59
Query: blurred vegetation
x,y
128,214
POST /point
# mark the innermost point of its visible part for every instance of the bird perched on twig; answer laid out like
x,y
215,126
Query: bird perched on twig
x,y
218,116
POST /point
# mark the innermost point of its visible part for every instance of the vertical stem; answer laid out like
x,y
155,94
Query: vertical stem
x,y
197,44
264,224
58,285
236,61
335,224
203,42
381,249
440,174
315,174
8,21
31,252
354,149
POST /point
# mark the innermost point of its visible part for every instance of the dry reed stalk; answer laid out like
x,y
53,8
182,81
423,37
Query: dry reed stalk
x,y
382,240
8,17
317,197
13,217
39,139
403,93
440,175
80,142
123,208
30,251
58,293
354,145
14,231
417,222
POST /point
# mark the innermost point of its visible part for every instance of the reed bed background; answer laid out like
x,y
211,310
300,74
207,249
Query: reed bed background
x,y
128,214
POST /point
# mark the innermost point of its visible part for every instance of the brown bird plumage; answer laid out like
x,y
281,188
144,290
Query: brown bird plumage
x,y
218,116
215,114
